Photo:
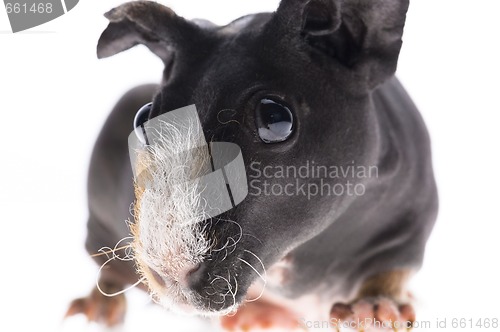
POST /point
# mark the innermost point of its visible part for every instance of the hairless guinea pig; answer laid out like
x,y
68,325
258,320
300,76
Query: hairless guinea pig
x,y
336,159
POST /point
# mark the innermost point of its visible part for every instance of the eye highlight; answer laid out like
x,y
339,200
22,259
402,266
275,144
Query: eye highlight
x,y
274,121
140,118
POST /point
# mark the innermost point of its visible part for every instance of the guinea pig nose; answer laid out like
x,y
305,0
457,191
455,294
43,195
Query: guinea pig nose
x,y
195,275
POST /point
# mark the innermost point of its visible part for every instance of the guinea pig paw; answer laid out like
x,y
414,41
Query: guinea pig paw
x,y
261,315
100,308
373,314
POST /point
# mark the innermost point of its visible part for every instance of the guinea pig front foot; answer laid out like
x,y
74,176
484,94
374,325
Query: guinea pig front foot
x,y
99,308
261,315
382,304
372,314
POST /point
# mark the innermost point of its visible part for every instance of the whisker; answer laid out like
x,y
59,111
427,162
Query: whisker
x,y
260,261
108,250
116,293
259,296
264,278
235,242
104,251
236,287
255,270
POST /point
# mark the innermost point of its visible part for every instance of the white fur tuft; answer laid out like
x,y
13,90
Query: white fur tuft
x,y
168,237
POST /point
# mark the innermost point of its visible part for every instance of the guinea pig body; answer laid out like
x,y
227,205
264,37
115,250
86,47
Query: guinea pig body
x,y
341,194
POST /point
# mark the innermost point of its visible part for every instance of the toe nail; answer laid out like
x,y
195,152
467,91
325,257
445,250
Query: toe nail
x,y
341,311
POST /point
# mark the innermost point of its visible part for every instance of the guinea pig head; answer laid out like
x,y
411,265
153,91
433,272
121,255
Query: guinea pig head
x,y
291,89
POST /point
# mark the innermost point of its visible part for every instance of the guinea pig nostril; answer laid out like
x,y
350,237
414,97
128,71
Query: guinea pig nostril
x,y
157,277
195,274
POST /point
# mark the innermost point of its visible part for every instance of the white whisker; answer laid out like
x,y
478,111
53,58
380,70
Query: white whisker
x,y
264,278
116,293
260,261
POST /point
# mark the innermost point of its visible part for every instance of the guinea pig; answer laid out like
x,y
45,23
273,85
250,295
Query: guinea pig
x,y
341,194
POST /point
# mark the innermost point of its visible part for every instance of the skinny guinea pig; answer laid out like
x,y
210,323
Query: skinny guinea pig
x,y
341,197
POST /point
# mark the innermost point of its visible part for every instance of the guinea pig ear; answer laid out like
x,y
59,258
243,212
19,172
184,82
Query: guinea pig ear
x,y
307,17
147,23
364,35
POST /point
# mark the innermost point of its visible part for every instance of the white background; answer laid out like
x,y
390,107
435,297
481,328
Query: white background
x,y
55,95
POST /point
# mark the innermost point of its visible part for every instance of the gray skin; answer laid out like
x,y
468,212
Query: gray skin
x,y
333,65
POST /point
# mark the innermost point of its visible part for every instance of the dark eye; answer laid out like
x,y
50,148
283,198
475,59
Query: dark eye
x,y
274,121
140,118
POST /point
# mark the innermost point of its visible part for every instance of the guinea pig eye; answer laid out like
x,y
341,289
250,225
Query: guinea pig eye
x,y
140,118
274,121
